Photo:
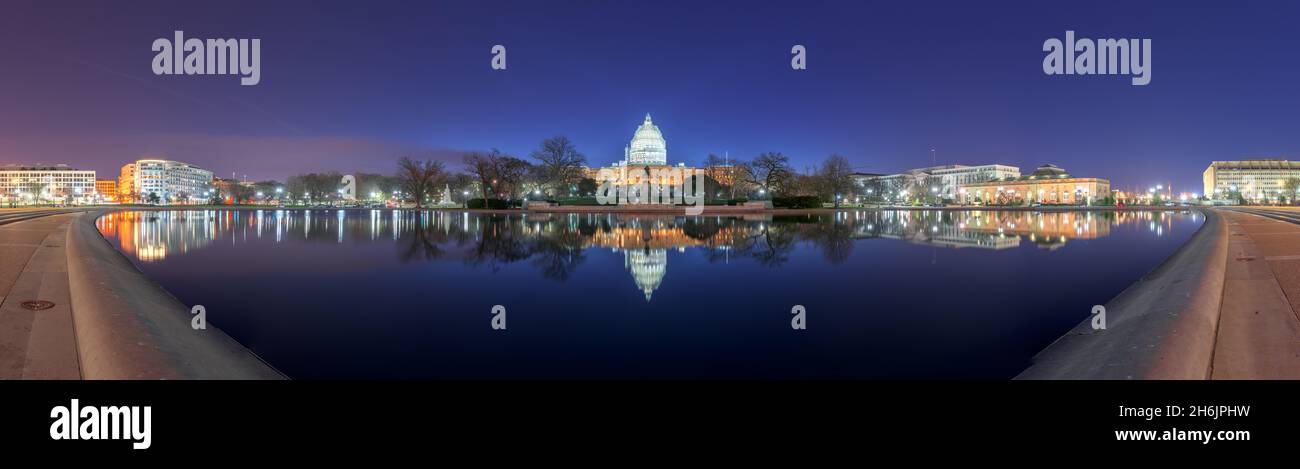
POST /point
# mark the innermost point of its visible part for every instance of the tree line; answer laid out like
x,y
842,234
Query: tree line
x,y
558,170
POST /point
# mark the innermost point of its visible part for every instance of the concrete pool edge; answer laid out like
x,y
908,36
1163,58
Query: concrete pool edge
x,y
1163,326
129,327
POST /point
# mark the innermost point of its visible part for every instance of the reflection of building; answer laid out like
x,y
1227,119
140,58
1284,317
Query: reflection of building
x,y
151,236
1252,179
1048,184
1049,229
985,229
170,181
45,184
645,245
932,229
648,267
637,237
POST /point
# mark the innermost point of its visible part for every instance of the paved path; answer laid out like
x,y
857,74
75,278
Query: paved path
x,y
33,266
1259,330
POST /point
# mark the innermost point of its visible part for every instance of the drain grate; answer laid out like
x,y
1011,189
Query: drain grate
x,y
36,305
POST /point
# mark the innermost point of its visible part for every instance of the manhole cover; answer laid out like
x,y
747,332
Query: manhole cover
x,y
37,305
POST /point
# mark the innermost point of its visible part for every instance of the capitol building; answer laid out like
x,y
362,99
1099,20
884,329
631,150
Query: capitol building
x,y
647,153
648,147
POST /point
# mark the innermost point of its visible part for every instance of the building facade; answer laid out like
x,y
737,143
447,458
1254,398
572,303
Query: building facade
x,y
1048,185
170,181
948,180
56,184
106,189
648,147
942,181
646,156
1261,180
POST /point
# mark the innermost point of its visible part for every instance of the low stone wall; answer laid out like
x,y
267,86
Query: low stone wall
x,y
1161,327
128,327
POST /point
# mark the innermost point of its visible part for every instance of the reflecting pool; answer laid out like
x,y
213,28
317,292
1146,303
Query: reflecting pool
x,y
410,294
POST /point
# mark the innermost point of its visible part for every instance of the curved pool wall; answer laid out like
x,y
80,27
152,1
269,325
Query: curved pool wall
x,y
129,327
1161,327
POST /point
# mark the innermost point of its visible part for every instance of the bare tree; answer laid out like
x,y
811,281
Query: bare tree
x,y
770,172
497,173
460,184
1292,189
314,186
511,173
559,163
418,178
482,167
722,171
836,177
370,185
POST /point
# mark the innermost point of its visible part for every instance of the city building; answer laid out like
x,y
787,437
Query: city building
x,y
106,189
942,181
170,181
228,188
54,184
1259,180
890,186
948,180
725,174
1048,184
647,153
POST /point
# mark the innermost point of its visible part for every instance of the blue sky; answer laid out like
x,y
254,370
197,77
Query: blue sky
x,y
354,85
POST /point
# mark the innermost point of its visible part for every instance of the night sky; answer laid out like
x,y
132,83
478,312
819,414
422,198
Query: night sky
x,y
351,86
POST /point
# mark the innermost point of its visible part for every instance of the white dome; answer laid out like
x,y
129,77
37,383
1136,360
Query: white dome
x,y
648,146
648,267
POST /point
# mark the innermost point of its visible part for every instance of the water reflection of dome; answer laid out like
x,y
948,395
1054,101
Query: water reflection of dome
x,y
648,267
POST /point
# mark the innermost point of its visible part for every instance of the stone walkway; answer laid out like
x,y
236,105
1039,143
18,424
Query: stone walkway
x,y
1259,331
33,266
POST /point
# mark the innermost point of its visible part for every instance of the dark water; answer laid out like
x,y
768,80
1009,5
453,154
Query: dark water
x,y
888,294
